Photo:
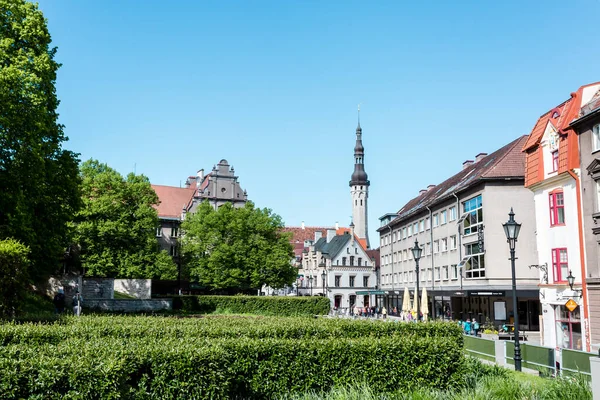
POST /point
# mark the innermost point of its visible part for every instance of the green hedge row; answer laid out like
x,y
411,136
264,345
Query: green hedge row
x,y
199,368
263,305
99,327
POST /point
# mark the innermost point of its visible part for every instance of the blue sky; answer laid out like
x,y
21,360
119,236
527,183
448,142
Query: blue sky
x,y
273,87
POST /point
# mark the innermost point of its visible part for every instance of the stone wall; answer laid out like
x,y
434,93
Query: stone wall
x,y
129,305
138,288
97,288
69,283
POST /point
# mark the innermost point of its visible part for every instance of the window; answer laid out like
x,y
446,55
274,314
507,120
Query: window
x,y
338,278
429,275
351,261
557,208
596,138
568,328
560,265
356,250
445,244
343,260
435,220
173,251
415,228
454,271
174,231
597,196
352,279
365,281
445,273
554,161
453,242
427,223
437,274
410,230
159,231
436,246
443,217
405,255
404,233
475,264
422,225
474,219
428,248
360,260
452,213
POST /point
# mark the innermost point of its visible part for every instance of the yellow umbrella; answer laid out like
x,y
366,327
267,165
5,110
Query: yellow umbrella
x,y
424,304
406,300
414,303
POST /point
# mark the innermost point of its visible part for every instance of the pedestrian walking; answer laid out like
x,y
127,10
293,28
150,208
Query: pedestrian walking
x,y
77,303
59,301
384,312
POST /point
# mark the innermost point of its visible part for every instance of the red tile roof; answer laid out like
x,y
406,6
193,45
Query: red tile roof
x,y
299,234
172,200
374,254
506,162
361,241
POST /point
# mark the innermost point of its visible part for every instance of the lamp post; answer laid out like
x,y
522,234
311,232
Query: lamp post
x,y
323,278
511,229
571,280
310,279
417,250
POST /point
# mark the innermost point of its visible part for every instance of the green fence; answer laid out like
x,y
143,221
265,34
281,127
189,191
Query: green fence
x,y
574,362
481,348
533,357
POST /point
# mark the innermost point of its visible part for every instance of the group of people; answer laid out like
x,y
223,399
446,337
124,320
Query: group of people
x,y
470,327
369,312
60,302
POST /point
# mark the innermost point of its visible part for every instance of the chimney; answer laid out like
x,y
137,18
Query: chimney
x,y
302,225
467,163
429,187
337,225
480,156
422,191
330,235
201,174
352,230
318,235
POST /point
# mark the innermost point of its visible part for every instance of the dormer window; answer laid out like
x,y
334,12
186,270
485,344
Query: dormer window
x,y
554,161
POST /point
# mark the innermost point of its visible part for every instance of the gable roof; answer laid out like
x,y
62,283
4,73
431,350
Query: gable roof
x,y
301,234
172,200
508,162
361,241
332,248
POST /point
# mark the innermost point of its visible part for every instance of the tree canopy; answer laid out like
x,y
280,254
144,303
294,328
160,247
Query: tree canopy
x,y
14,265
116,227
237,248
39,179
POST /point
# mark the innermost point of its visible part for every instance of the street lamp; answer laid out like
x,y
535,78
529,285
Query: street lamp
x,y
571,280
323,278
511,229
417,250
310,279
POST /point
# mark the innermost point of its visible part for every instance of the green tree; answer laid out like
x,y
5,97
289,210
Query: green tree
x,y
38,178
237,247
14,265
115,228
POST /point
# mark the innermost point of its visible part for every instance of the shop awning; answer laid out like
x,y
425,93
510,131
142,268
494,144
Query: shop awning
x,y
369,292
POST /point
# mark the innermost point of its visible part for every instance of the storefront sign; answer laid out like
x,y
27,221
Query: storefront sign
x,y
571,305
490,293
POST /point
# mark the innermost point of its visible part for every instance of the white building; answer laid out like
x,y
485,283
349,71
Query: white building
x,y
338,266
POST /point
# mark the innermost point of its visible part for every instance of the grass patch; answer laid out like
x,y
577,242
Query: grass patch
x,y
123,296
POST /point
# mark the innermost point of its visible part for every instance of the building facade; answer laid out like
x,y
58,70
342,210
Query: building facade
x,y
218,187
465,260
339,267
587,127
553,174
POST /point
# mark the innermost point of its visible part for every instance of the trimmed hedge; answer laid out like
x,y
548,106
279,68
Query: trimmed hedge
x,y
222,357
265,305
96,328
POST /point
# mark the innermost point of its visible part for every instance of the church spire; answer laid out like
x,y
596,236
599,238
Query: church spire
x,y
359,188
359,176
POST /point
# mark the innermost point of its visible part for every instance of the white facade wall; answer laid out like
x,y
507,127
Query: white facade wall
x,y
360,195
556,294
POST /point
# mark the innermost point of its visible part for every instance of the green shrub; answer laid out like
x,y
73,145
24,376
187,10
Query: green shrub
x,y
14,267
222,357
262,305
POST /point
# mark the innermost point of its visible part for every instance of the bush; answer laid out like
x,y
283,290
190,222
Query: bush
x,y
223,357
14,265
263,305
